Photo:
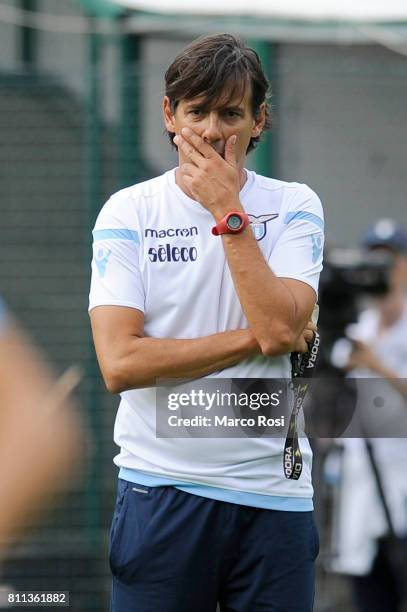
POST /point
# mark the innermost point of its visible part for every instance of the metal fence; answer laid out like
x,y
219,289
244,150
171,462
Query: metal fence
x,y
58,163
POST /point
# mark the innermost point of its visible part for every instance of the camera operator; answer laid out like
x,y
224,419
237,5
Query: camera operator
x,y
379,341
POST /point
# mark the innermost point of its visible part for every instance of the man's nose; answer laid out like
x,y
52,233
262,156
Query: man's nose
x,y
212,129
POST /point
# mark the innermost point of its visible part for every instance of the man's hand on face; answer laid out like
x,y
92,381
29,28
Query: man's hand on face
x,y
212,179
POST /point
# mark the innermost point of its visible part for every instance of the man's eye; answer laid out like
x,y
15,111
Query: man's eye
x,y
195,112
232,114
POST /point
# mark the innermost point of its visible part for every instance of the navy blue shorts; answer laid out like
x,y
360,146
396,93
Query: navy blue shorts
x,y
172,551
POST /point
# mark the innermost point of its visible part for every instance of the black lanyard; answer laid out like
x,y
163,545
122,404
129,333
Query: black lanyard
x,y
302,370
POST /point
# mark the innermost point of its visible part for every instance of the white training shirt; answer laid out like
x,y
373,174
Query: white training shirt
x,y
154,251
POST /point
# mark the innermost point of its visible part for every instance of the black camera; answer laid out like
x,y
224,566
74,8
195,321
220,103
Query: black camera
x,y
347,278
348,275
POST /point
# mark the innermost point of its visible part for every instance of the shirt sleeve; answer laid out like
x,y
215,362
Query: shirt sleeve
x,y
298,252
116,279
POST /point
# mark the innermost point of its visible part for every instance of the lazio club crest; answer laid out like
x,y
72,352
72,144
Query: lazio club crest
x,y
259,224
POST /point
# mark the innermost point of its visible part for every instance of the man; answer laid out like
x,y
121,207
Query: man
x,y
207,271
41,438
380,351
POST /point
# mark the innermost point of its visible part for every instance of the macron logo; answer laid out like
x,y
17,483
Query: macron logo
x,y
171,232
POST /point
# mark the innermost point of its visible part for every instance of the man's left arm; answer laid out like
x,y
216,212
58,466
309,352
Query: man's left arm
x,y
276,307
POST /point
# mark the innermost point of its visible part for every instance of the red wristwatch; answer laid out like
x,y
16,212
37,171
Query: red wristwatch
x,y
232,223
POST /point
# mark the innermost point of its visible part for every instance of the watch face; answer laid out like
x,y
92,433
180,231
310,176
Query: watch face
x,y
234,222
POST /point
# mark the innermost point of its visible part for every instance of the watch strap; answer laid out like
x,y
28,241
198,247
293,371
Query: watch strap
x,y
224,225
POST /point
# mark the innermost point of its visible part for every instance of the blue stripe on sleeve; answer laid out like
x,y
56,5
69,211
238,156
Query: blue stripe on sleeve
x,y
304,215
116,234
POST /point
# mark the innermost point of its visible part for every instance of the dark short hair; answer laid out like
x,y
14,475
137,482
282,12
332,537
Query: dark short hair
x,y
213,65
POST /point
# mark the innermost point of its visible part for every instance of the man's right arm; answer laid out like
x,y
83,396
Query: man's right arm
x,y
129,360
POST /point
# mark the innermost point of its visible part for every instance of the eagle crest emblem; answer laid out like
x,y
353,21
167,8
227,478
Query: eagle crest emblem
x,y
259,224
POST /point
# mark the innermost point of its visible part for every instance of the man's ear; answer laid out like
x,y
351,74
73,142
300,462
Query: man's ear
x,y
259,121
169,118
